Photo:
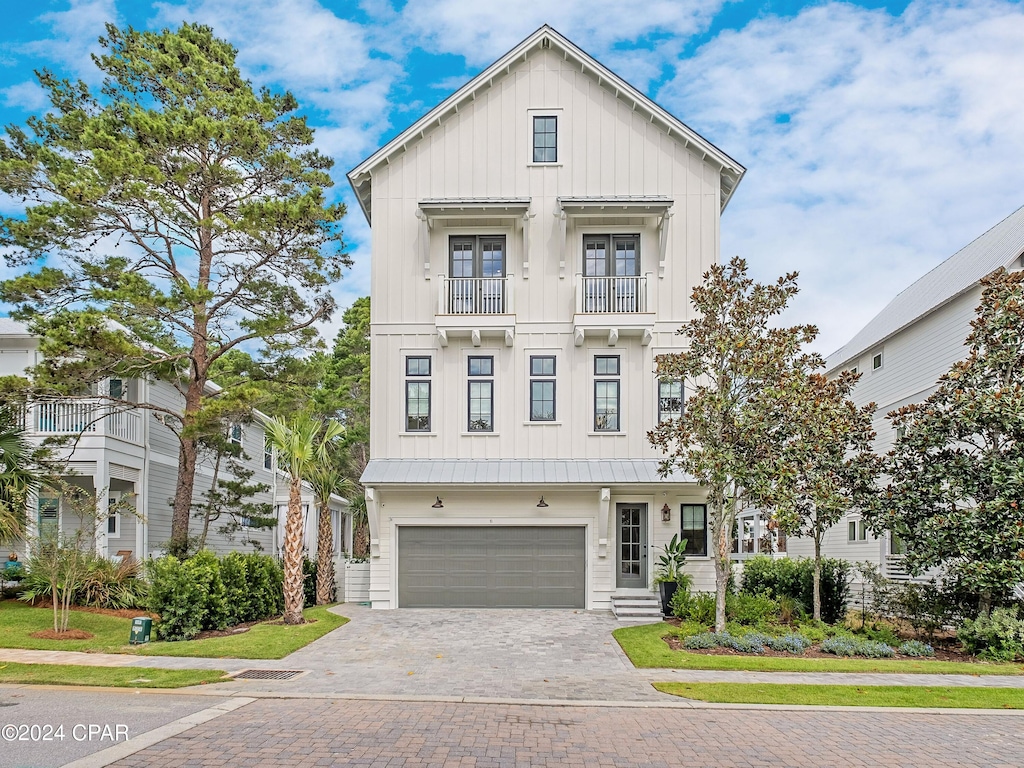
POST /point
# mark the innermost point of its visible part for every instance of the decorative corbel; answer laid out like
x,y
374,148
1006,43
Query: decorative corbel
x,y
373,520
663,242
424,238
613,336
474,336
562,224
510,337
647,337
526,244
604,498
442,337
577,337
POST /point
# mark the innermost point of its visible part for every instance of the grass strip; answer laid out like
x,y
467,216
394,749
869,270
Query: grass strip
x,y
960,697
263,641
645,647
110,677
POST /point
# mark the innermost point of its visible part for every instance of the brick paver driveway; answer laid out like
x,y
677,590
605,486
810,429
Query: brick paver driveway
x,y
320,732
531,654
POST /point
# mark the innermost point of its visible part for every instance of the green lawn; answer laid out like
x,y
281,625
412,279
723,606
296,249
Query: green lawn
x,y
849,695
645,648
111,677
264,641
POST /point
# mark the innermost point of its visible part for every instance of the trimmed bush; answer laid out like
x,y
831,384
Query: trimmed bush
x,y
751,609
998,636
849,646
840,646
205,592
701,641
696,606
791,643
915,648
794,579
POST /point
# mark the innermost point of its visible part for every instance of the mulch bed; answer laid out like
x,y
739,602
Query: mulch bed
x,y
70,634
942,653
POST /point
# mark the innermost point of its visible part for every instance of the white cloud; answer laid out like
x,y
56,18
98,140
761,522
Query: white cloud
x,y
74,36
901,145
483,30
28,96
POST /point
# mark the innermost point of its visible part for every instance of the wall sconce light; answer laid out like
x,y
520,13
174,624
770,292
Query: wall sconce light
x,y
542,504
666,513
437,504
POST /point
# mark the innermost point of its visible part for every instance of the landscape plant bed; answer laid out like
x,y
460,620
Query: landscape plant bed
x,y
815,652
646,648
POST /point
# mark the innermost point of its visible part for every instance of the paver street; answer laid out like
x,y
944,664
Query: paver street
x,y
275,732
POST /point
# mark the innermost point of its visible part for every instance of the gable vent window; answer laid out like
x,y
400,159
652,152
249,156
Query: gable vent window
x,y
545,139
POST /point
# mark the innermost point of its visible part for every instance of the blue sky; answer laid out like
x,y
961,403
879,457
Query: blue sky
x,y
880,137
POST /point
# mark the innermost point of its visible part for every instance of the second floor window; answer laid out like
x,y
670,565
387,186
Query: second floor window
x,y
670,400
607,394
268,453
235,434
481,394
611,274
477,270
542,388
417,394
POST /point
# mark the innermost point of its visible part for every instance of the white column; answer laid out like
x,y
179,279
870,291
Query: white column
x,y
101,482
373,519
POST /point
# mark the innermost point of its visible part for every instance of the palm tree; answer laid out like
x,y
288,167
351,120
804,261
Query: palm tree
x,y
17,474
301,446
326,479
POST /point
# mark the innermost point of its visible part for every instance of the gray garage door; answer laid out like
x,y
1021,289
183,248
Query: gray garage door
x,y
491,567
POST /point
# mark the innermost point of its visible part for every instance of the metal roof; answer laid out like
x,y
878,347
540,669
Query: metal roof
x,y
516,472
999,247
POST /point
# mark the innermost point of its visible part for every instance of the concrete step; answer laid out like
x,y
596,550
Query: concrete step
x,y
636,608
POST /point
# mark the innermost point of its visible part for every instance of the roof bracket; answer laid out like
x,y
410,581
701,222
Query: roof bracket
x,y
604,498
663,242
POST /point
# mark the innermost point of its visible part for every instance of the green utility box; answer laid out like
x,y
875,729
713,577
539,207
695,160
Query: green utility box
x,y
141,629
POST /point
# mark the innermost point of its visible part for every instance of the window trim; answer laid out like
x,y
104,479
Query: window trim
x,y
618,406
618,365
880,358
479,381
682,520
430,407
268,452
232,428
543,378
418,378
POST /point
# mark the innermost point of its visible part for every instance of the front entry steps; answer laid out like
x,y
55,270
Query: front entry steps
x,y
637,609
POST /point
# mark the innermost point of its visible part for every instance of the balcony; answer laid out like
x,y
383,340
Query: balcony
x,y
613,305
475,307
86,418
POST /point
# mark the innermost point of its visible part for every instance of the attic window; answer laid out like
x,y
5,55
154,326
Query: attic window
x,y
876,361
545,139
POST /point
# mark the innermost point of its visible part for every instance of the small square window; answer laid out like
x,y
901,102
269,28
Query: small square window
x,y
854,369
235,434
876,361
606,365
545,139
542,365
417,366
481,366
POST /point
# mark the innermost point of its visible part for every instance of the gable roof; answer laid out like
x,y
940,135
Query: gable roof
x,y
1001,246
10,327
730,174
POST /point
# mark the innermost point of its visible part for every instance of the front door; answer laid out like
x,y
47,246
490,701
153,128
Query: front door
x,y
632,557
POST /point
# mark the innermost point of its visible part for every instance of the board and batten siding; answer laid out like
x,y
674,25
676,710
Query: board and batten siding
x,y
605,149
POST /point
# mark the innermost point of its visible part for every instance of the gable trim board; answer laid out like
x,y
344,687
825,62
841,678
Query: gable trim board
x,y
730,171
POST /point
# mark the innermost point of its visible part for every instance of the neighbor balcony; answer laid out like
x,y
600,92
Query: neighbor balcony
x,y
475,307
83,418
613,306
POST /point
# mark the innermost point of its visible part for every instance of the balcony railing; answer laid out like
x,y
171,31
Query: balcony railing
x,y
474,296
602,295
83,417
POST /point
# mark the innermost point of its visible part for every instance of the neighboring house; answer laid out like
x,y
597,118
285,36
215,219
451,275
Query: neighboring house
x,y
536,239
132,455
901,354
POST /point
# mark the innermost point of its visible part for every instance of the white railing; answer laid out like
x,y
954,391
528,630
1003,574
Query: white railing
x,y
474,295
83,417
626,294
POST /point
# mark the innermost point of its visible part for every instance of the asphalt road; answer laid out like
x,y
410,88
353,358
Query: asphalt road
x,y
47,727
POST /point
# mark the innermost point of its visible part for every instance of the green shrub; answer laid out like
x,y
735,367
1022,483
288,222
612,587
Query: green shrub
x,y
765,575
688,628
104,584
840,646
238,598
998,636
780,578
698,607
751,609
835,587
308,582
915,648
266,586
791,643
883,633
189,595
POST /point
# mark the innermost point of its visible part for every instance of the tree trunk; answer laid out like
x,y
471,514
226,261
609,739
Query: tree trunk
x,y
209,504
722,568
360,540
187,455
324,557
817,579
293,578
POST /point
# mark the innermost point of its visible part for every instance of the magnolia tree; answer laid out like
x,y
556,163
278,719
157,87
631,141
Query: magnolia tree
x,y
955,496
826,462
184,205
744,372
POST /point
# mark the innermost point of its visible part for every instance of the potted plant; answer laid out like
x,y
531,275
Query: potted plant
x,y
668,574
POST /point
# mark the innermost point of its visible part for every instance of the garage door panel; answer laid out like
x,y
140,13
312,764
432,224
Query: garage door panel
x,y
491,566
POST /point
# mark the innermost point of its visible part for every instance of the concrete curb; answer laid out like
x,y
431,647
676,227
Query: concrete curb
x,y
126,748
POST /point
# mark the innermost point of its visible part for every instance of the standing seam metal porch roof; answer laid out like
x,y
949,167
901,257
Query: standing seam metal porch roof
x,y
517,472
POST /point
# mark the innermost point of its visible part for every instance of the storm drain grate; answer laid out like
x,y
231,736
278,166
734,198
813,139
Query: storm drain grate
x,y
268,674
